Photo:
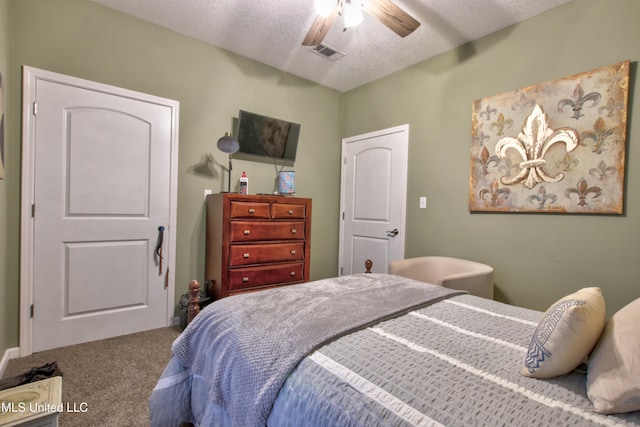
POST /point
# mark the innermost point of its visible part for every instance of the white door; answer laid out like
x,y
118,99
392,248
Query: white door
x,y
373,199
102,197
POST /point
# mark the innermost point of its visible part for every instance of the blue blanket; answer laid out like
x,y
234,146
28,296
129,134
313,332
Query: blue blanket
x,y
245,346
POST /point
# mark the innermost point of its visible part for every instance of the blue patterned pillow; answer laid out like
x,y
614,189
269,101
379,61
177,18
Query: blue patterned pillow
x,y
566,334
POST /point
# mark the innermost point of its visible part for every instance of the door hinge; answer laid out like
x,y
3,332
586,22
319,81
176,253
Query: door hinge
x,y
33,210
35,108
341,273
343,216
31,311
345,161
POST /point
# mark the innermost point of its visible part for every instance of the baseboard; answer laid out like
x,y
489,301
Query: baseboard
x,y
10,353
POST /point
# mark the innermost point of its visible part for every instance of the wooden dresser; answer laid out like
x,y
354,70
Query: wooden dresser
x,y
256,242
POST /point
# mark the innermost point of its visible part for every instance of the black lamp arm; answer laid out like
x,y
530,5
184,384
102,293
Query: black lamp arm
x,y
229,179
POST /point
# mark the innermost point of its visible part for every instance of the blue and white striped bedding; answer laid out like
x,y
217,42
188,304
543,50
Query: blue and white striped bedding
x,y
452,363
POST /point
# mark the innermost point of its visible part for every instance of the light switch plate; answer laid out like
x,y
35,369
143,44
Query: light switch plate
x,y
423,202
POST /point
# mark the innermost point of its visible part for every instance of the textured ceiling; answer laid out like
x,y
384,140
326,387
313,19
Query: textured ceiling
x,y
271,32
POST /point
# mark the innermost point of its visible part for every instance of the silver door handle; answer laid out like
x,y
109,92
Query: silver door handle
x,y
393,232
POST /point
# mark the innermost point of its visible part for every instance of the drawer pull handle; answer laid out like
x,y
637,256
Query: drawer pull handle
x,y
293,252
293,273
290,211
294,231
245,279
252,211
245,255
247,232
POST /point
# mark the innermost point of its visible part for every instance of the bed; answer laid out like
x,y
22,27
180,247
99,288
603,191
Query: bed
x,y
366,350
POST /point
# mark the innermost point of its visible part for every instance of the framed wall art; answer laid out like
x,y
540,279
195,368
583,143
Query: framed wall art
x,y
554,147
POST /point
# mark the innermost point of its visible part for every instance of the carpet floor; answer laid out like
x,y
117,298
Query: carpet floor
x,y
112,379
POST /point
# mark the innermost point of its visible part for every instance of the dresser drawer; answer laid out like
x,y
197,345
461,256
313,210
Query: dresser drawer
x,y
253,277
247,231
265,253
284,210
249,210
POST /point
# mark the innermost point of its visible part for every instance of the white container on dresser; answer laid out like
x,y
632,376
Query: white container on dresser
x,y
256,242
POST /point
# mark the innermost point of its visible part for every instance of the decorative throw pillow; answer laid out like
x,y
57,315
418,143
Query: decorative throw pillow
x,y
566,334
613,376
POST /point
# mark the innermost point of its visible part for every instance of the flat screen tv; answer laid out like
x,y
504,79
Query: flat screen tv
x,y
268,139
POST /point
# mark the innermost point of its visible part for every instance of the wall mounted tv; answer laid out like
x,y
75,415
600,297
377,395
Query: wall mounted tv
x,y
267,139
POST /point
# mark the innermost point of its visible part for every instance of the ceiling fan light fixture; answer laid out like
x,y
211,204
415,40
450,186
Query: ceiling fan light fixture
x,y
386,11
324,7
352,14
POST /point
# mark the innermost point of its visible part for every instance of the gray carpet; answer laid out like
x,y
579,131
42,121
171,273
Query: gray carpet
x,y
114,377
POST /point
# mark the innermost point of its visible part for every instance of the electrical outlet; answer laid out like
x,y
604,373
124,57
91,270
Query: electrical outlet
x,y
207,191
423,202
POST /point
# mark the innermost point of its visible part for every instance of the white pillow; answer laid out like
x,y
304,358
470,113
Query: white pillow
x,y
566,334
613,376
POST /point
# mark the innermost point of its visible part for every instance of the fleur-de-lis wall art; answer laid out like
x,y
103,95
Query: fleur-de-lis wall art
x,y
556,147
532,144
523,104
578,100
610,108
495,195
486,159
568,162
481,138
602,170
600,135
541,198
501,124
583,190
487,113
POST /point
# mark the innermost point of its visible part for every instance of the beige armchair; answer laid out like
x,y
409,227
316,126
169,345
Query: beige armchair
x,y
454,273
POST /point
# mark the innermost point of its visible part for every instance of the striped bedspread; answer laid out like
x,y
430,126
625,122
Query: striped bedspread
x,y
452,363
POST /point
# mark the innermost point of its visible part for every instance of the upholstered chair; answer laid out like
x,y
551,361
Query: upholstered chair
x,y
455,273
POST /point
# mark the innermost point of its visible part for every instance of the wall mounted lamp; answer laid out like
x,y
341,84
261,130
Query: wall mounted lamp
x,y
228,144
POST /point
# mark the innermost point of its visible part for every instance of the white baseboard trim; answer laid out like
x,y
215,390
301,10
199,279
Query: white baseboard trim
x,y
10,353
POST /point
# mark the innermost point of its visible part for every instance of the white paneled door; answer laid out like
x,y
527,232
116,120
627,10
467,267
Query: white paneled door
x,y
373,199
103,183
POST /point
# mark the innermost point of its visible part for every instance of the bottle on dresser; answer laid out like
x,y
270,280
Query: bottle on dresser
x,y
244,184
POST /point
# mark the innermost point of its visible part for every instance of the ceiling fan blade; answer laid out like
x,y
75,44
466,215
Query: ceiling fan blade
x,y
320,28
391,15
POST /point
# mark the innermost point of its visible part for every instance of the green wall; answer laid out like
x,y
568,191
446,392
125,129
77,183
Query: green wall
x,y
537,258
86,40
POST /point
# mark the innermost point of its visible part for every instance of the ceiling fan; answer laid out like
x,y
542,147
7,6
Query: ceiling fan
x,y
385,11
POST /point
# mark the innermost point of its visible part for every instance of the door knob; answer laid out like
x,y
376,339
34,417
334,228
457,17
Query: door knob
x,y
393,232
